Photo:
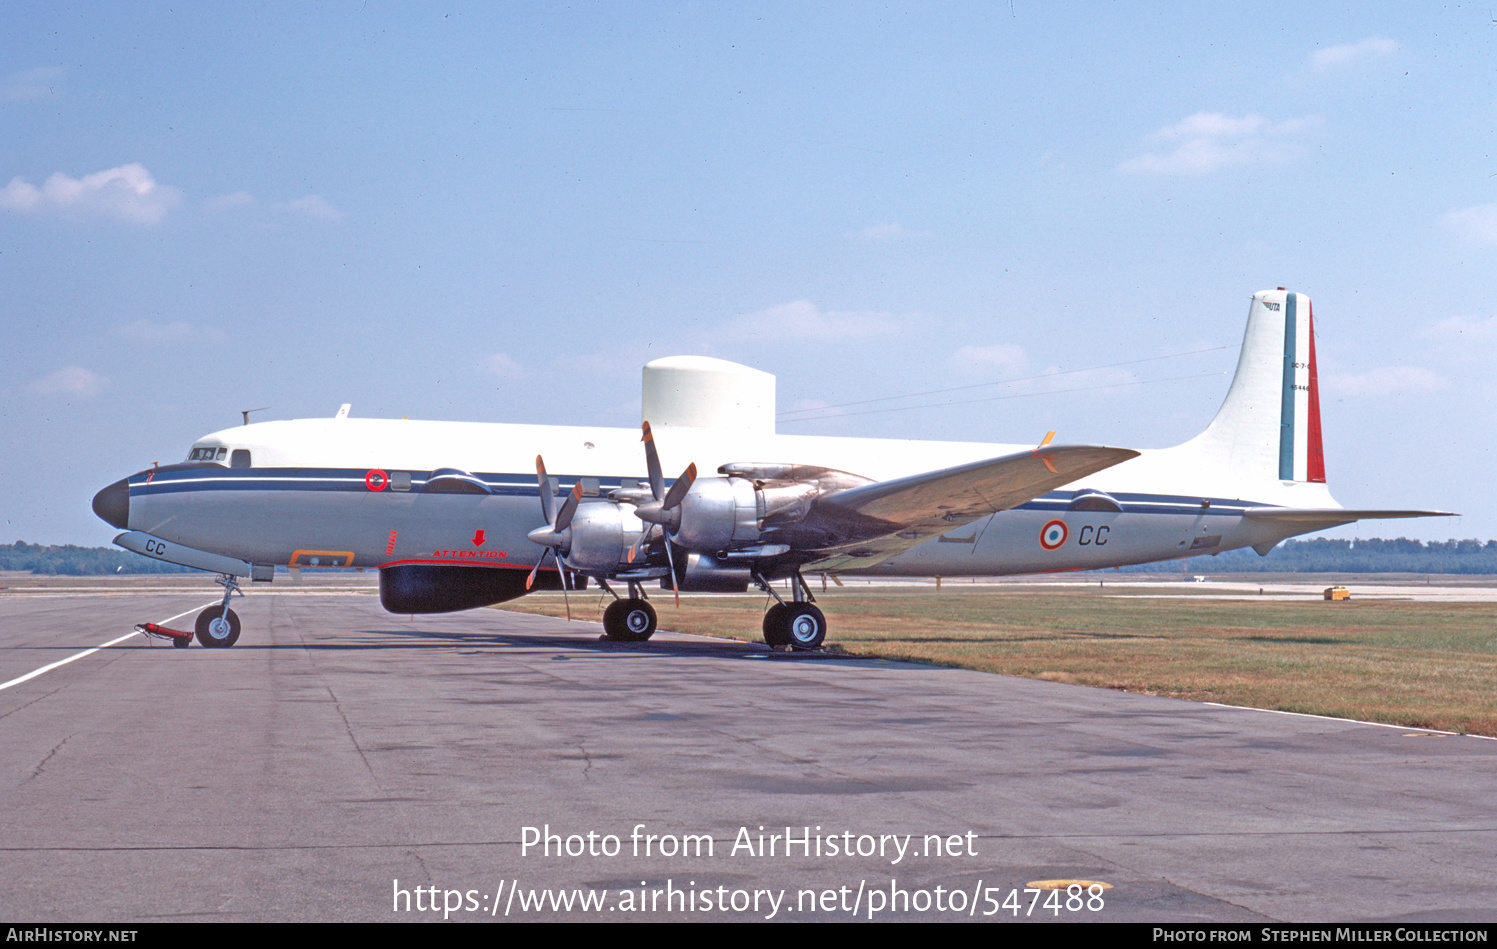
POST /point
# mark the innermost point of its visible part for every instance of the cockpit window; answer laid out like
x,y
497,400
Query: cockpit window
x,y
240,458
208,453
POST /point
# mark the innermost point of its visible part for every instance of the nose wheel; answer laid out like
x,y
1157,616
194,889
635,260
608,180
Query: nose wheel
x,y
218,626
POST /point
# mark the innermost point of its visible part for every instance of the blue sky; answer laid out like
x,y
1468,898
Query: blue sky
x,y
499,212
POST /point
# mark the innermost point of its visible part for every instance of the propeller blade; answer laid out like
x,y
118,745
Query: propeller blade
x,y
530,580
641,543
652,461
682,485
636,551
675,584
548,491
564,586
568,508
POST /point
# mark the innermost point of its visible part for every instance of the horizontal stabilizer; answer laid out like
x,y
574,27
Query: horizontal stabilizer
x,y
892,516
1315,518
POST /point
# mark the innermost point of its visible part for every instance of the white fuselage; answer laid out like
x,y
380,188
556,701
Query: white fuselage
x,y
348,492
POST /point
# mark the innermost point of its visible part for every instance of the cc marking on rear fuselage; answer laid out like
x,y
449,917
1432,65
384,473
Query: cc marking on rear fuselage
x,y
1095,536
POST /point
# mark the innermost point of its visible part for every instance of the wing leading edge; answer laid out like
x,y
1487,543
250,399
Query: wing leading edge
x,y
889,517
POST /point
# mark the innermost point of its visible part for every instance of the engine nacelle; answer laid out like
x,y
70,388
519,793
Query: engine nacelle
x,y
746,515
601,535
719,514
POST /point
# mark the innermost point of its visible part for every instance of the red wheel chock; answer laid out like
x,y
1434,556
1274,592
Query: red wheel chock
x,y
162,632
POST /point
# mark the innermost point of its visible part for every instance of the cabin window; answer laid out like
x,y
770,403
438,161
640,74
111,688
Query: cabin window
x,y
240,458
400,481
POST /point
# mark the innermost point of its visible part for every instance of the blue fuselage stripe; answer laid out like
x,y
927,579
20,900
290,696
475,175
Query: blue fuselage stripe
x,y
515,485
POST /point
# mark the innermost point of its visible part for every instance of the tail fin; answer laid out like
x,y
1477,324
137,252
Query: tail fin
x,y
1269,426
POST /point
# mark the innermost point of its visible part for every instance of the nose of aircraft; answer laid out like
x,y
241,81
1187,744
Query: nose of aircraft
x,y
113,504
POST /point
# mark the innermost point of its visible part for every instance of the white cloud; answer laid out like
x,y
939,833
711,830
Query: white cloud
x,y
1004,358
30,84
314,206
1370,48
227,202
887,232
70,380
804,320
1207,141
504,367
1477,223
1386,380
128,193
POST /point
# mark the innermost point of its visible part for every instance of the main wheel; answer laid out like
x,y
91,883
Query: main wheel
x,y
805,625
629,621
217,628
775,631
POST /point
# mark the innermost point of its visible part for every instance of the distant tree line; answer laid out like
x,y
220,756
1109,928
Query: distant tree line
x,y
1333,555
72,561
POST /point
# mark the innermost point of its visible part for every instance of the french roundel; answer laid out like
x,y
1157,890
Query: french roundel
x,y
1053,535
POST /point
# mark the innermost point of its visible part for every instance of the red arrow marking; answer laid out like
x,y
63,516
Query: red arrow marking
x,y
478,539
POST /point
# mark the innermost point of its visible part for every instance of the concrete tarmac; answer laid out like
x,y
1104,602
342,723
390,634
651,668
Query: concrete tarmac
x,y
341,763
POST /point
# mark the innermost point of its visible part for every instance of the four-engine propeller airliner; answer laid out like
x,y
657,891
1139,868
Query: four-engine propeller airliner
x,y
453,517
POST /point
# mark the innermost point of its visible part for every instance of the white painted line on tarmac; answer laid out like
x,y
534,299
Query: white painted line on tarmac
x,y
1352,721
89,652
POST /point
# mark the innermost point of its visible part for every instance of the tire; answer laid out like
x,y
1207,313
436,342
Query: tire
x,y
805,625
181,642
217,639
776,633
629,621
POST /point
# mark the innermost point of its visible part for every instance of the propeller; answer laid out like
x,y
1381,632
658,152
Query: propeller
x,y
664,511
554,535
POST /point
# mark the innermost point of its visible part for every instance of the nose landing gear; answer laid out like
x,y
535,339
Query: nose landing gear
x,y
218,626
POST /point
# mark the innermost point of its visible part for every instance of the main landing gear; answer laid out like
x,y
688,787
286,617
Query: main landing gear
x,y
631,619
798,624
218,626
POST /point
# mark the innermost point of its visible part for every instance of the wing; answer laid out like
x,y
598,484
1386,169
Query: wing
x,y
882,519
